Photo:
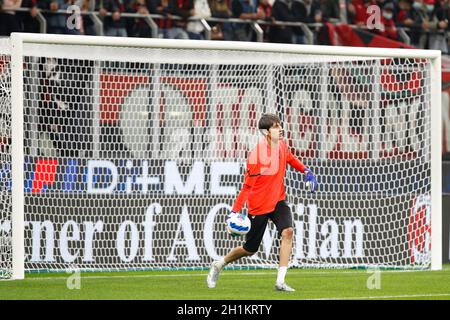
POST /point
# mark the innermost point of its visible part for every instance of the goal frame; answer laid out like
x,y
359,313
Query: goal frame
x,y
17,126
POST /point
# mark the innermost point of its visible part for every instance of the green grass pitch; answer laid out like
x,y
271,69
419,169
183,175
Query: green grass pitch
x,y
232,284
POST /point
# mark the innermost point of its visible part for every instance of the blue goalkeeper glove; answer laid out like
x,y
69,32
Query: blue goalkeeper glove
x,y
310,180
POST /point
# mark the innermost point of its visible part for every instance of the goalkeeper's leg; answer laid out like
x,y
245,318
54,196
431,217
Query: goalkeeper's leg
x,y
286,246
218,265
252,241
282,217
285,254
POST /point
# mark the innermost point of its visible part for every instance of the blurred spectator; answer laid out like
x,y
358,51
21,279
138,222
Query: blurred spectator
x,y
314,11
330,9
161,7
350,11
306,11
266,7
220,9
438,24
423,22
114,24
88,24
138,26
401,14
195,28
29,19
382,3
387,21
248,10
299,12
57,22
358,11
183,9
9,21
281,11
417,21
443,13
168,28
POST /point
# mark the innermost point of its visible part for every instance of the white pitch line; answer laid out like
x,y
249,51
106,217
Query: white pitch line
x,y
150,276
226,273
429,295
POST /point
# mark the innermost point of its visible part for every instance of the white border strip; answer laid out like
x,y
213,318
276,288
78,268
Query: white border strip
x,y
425,295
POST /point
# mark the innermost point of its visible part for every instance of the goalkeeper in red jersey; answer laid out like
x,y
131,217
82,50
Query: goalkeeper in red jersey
x,y
263,191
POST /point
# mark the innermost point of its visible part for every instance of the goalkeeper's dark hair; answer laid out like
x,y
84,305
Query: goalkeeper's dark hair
x,y
267,121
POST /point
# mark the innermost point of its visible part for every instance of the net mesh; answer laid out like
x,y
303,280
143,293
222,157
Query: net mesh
x,y
5,161
133,157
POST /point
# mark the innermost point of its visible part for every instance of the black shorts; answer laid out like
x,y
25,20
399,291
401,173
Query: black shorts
x,y
281,217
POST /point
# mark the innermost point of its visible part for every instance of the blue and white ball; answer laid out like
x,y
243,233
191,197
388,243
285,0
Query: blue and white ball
x,y
238,224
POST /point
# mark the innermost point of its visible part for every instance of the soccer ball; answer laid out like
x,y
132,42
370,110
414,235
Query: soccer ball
x,y
238,224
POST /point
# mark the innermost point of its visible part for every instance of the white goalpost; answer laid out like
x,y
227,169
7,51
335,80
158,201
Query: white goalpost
x,y
127,153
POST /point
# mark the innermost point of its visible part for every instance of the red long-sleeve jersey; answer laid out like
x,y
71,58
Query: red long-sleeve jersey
x,y
263,184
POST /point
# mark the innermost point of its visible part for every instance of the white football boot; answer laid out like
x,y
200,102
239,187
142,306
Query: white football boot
x,y
283,287
213,274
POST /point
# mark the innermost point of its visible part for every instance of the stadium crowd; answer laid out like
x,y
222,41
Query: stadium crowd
x,y
425,21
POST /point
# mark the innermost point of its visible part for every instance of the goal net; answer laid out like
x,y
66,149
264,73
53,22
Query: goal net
x,y
5,161
134,151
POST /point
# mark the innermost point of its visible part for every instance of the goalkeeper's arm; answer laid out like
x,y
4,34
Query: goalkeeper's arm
x,y
310,179
249,182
